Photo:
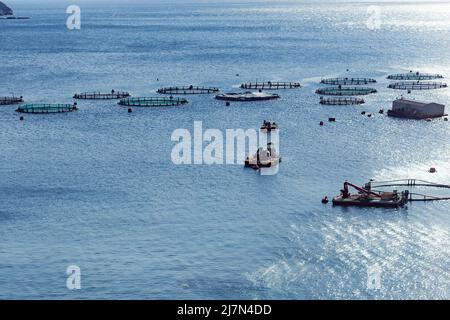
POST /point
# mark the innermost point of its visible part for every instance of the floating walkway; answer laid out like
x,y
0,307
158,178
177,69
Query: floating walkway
x,y
188,90
341,101
101,96
10,100
247,96
414,76
152,102
350,91
269,85
416,85
348,81
47,108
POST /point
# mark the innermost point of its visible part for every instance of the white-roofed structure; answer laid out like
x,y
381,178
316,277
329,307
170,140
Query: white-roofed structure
x,y
403,108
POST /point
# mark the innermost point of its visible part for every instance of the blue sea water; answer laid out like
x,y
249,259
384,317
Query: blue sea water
x,y
97,188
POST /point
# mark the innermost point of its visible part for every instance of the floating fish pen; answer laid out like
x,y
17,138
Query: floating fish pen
x,y
101,96
270,85
10,100
341,101
350,91
416,85
247,96
188,90
414,76
47,108
348,81
152,102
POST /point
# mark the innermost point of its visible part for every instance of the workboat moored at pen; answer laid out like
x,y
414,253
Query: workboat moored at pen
x,y
247,96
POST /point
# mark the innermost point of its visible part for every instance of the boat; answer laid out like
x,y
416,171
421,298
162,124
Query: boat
x,y
269,126
247,96
368,198
264,158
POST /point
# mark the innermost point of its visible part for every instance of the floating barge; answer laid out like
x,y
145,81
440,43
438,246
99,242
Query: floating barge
x,y
417,85
10,100
341,101
152,102
347,91
414,76
188,90
47,108
269,85
348,81
101,96
368,198
247,96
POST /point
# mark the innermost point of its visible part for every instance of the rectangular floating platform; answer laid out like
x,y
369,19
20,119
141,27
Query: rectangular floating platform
x,y
10,100
416,85
348,81
188,90
101,96
341,101
46,108
152,102
270,85
345,91
360,201
414,76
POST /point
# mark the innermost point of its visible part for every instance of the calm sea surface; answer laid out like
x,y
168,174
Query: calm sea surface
x,y
97,188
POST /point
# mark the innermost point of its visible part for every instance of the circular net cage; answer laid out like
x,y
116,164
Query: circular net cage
x,y
101,96
337,91
414,76
348,81
188,90
152,102
10,100
47,108
341,101
269,85
417,85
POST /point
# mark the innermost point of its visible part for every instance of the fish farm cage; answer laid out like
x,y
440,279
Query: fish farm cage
x,y
416,85
270,85
152,102
101,96
47,108
348,81
10,100
415,76
341,101
349,91
188,90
